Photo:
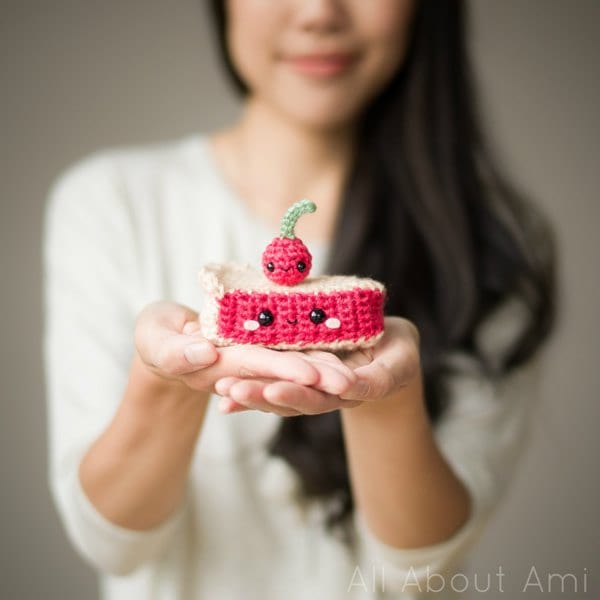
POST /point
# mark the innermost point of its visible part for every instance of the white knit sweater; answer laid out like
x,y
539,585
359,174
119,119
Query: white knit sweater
x,y
127,226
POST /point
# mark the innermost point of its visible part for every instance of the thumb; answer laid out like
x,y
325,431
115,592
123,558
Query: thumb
x,y
179,354
168,339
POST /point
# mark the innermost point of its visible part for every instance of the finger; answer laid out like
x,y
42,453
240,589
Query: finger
x,y
336,377
394,364
357,358
250,393
331,380
182,354
304,399
375,381
331,359
251,361
361,390
222,386
227,405
162,343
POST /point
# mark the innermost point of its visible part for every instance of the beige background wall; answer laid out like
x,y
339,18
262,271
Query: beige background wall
x,y
77,76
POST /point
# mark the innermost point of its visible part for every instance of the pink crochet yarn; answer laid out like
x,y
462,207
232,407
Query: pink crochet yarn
x,y
284,256
275,318
286,259
282,308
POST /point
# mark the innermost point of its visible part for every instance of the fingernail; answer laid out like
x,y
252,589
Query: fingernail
x,y
223,404
222,387
362,388
201,353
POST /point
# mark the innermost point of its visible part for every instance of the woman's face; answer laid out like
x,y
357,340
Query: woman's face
x,y
318,62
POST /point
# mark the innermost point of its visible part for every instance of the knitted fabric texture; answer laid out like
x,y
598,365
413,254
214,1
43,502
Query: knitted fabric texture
x,y
286,259
284,256
285,309
327,312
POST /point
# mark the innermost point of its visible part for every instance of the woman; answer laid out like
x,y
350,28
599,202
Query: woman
x,y
394,458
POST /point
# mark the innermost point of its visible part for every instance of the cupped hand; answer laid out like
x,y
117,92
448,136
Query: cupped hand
x,y
169,343
379,372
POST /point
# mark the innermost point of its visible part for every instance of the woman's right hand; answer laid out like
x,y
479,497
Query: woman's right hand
x,y
169,343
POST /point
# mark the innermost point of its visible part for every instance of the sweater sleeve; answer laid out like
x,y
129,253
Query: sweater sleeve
x,y
89,282
481,435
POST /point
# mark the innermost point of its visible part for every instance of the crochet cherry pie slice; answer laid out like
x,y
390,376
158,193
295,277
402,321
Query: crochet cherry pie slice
x,y
282,307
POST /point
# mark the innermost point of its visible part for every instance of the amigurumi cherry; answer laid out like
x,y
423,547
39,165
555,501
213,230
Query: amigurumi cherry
x,y
286,260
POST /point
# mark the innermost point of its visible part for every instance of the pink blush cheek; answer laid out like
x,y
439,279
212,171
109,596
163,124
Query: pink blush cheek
x,y
360,313
238,307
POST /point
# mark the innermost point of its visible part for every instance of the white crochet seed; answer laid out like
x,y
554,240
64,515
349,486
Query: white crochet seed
x,y
251,325
332,323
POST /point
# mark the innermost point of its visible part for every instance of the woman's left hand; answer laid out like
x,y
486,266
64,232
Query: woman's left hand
x,y
380,372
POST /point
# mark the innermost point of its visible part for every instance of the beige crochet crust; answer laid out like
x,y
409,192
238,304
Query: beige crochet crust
x,y
219,278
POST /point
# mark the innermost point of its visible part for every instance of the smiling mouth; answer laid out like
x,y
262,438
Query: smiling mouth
x,y
322,65
294,322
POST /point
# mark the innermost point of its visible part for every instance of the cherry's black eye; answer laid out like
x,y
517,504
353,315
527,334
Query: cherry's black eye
x,y
270,267
301,266
265,317
317,315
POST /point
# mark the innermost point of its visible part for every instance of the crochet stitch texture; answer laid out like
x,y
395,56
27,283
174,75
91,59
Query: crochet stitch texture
x,y
237,295
282,308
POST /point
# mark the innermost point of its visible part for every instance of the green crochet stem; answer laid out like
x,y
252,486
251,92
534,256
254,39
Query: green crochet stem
x,y
292,215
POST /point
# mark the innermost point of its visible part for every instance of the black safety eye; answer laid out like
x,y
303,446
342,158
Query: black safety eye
x,y
317,315
301,266
265,317
270,267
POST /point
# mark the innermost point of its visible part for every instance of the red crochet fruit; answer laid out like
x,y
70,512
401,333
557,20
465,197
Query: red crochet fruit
x,y
286,260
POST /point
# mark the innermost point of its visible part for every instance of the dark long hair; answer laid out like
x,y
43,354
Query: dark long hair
x,y
427,212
